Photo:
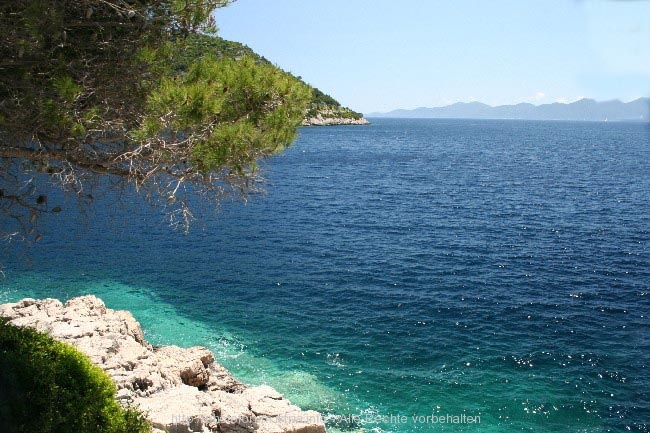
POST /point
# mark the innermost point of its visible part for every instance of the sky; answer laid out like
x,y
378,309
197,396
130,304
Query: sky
x,y
380,55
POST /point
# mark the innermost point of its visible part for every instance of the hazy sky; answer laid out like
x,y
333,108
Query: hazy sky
x,y
378,55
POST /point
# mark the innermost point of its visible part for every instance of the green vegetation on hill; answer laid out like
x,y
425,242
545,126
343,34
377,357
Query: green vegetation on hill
x,y
329,107
50,387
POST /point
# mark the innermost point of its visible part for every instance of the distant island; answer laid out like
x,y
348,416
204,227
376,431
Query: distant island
x,y
584,109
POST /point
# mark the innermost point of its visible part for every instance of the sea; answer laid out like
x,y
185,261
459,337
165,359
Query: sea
x,y
413,275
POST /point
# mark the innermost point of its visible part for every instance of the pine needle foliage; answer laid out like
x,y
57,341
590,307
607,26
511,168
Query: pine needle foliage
x,y
105,88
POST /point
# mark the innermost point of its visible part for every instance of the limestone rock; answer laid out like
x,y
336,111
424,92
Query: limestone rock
x,y
189,364
180,390
321,120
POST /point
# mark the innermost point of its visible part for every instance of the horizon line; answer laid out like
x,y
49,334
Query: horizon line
x,y
510,104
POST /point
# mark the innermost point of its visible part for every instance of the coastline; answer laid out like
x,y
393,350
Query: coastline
x,y
178,389
334,121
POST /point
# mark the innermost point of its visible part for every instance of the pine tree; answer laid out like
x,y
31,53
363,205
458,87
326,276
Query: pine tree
x,y
92,88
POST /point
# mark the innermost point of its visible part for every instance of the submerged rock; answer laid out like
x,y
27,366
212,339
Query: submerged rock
x,y
180,390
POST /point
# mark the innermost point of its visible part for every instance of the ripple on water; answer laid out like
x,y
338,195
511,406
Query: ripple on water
x,y
412,267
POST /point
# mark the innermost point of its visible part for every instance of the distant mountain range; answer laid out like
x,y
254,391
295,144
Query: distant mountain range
x,y
584,109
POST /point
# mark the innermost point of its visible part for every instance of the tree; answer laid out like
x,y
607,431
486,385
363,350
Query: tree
x,y
93,88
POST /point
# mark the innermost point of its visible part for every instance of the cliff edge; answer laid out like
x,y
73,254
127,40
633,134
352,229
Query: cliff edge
x,y
179,390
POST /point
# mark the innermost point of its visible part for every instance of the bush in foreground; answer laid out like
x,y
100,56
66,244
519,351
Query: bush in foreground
x,y
50,387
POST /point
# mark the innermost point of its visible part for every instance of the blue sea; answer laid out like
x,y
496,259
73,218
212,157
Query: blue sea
x,y
407,276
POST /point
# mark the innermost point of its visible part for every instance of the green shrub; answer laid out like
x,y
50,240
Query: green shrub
x,y
50,387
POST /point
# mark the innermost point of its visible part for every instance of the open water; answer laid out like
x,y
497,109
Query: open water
x,y
400,274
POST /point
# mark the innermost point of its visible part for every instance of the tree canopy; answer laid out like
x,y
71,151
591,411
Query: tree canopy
x,y
320,104
92,88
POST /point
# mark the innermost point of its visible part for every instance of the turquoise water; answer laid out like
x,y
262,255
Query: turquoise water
x,y
497,270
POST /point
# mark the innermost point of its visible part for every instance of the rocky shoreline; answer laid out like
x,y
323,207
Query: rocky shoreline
x,y
179,390
333,121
